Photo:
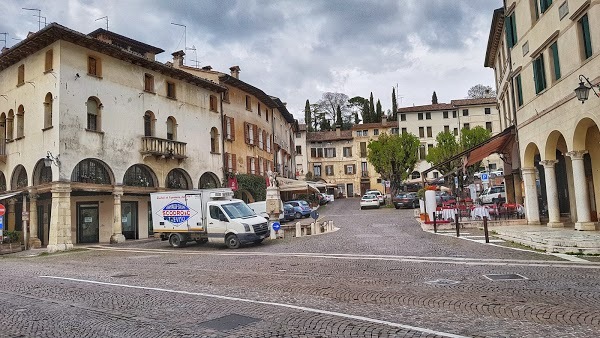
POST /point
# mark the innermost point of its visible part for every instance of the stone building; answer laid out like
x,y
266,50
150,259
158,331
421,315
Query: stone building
x,y
93,124
301,156
540,52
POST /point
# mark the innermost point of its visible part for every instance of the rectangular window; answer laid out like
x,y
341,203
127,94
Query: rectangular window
x,y
319,152
94,66
420,116
329,152
445,113
404,131
267,114
421,132
365,133
454,114
488,111
455,131
446,129
313,152
298,150
519,89
544,4
488,126
402,117
466,126
258,109
465,112
349,169
317,169
555,61
422,153
364,168
347,151
363,149
510,25
376,132
539,75
395,131
171,90
49,60
21,75
298,135
436,174
229,128
149,83
429,132
226,96
213,103
358,133
329,170
584,26
428,116
248,103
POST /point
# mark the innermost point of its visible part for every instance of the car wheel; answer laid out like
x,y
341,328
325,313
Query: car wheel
x,y
298,215
397,206
361,208
232,241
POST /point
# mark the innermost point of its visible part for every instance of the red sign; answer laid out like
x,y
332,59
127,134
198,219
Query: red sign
x,y
232,183
2,210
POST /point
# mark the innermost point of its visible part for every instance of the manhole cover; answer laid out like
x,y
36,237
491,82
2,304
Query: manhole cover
x,y
123,275
442,282
229,322
507,276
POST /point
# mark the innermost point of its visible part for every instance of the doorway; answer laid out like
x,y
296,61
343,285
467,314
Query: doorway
x,y
88,225
129,219
350,189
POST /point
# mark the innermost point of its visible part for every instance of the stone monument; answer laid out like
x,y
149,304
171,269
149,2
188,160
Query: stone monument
x,y
273,201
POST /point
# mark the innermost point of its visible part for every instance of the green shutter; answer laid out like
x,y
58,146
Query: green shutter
x,y
519,90
585,30
545,4
537,9
513,23
539,76
554,49
508,29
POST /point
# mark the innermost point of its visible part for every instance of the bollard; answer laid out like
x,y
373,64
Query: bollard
x,y
485,229
298,229
317,228
457,225
434,223
312,228
331,225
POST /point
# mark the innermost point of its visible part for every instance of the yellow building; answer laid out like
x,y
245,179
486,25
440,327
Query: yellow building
x,y
541,51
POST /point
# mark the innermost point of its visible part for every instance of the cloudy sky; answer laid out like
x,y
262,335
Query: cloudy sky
x,y
298,49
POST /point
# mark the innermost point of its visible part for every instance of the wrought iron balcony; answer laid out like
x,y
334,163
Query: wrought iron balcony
x,y
154,146
364,173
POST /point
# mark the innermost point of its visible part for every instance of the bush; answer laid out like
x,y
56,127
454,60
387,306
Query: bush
x,y
254,184
11,237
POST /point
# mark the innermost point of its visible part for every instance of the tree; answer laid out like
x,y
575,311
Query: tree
x,y
480,91
356,118
470,138
357,106
330,101
394,157
394,105
308,118
434,98
367,118
378,111
338,114
446,147
372,113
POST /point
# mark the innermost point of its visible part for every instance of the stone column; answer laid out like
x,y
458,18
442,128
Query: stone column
x,y
60,220
584,220
10,215
117,236
34,241
552,194
518,190
531,197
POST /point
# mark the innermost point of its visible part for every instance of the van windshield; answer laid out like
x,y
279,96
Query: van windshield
x,y
238,210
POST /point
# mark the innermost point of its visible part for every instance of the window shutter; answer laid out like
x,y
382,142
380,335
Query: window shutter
x,y
233,163
554,48
256,166
255,134
224,127
354,169
226,164
264,137
232,124
248,165
246,136
509,33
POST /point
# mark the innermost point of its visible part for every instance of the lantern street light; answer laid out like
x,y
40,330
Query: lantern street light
x,y
582,92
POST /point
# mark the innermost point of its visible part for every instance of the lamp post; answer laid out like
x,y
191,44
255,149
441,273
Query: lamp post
x,y
582,92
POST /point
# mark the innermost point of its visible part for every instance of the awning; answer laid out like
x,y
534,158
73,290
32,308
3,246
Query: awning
x,y
286,184
495,144
10,194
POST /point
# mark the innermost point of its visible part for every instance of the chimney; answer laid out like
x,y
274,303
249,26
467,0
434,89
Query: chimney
x,y
206,68
178,58
338,130
383,119
235,71
5,49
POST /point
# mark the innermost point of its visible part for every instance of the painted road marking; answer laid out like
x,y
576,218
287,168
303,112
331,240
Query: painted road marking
x,y
289,306
571,258
413,259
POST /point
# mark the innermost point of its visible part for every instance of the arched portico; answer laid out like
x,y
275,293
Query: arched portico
x,y
530,180
553,178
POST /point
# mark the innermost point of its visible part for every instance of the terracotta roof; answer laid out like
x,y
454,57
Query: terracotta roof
x,y
387,124
321,136
120,38
429,107
474,102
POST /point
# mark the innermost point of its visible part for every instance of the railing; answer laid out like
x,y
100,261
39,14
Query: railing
x,y
364,173
164,148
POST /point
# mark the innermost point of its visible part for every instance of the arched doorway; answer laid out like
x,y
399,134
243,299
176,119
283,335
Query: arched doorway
x,y
531,182
41,173
208,180
585,159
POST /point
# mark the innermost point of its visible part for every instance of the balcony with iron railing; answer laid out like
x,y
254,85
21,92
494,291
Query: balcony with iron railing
x,y
364,173
154,146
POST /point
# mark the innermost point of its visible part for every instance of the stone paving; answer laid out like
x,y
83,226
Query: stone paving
x,y
372,278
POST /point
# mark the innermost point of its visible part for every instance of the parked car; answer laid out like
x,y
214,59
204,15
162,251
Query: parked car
x,y
441,197
260,208
301,208
288,212
494,195
369,201
377,193
323,198
496,173
406,200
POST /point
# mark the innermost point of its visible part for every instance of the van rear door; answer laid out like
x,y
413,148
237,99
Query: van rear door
x,y
195,222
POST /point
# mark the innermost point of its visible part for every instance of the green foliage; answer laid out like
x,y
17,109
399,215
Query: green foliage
x,y
309,176
256,185
366,112
421,194
434,99
394,157
356,118
470,138
372,113
480,91
11,236
378,111
308,117
394,104
446,147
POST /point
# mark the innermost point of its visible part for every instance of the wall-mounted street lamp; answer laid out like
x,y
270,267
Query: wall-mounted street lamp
x,y
582,92
49,160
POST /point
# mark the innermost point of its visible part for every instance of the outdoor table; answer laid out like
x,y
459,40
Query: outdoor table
x,y
480,212
448,213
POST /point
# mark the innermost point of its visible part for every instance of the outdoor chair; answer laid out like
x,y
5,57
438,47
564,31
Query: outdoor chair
x,y
464,211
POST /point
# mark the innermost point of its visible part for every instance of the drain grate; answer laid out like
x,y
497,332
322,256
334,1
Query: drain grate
x,y
228,322
506,276
123,275
442,282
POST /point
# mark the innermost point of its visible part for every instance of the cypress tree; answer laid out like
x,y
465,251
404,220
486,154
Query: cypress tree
x,y
338,114
379,112
434,98
394,104
372,109
308,117
366,112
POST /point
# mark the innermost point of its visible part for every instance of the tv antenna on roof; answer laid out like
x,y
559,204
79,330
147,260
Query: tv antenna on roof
x,y
4,38
104,17
184,35
39,15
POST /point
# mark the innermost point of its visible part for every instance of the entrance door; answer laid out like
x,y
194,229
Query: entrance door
x,y
88,228
129,220
350,189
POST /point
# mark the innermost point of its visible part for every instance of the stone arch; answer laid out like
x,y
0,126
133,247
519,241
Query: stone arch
x,y
415,174
529,155
94,113
19,179
2,182
178,179
581,131
208,180
140,175
171,128
20,121
555,140
41,173
214,140
91,170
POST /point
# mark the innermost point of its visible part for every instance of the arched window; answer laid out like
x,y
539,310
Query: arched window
x,y
208,180
45,174
171,128
48,110
415,174
2,182
139,176
20,121
149,123
19,178
10,120
214,140
93,114
177,179
91,171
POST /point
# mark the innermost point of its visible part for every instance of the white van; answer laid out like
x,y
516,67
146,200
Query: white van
x,y
260,208
493,195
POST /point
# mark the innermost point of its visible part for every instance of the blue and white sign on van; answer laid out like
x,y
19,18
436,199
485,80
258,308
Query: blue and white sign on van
x,y
176,213
276,226
484,177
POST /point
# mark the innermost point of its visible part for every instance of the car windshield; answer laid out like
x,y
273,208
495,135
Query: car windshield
x,y
238,210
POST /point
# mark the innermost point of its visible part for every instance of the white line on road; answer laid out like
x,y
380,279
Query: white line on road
x,y
290,306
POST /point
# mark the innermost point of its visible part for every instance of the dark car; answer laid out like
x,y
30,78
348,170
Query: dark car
x,y
406,200
288,212
442,197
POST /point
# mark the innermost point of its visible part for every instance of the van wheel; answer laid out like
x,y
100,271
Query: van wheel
x,y
232,241
176,241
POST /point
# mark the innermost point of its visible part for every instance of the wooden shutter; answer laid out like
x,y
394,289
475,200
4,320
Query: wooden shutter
x,y
246,136
224,128
226,165
255,134
232,123
256,166
354,169
248,165
233,163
